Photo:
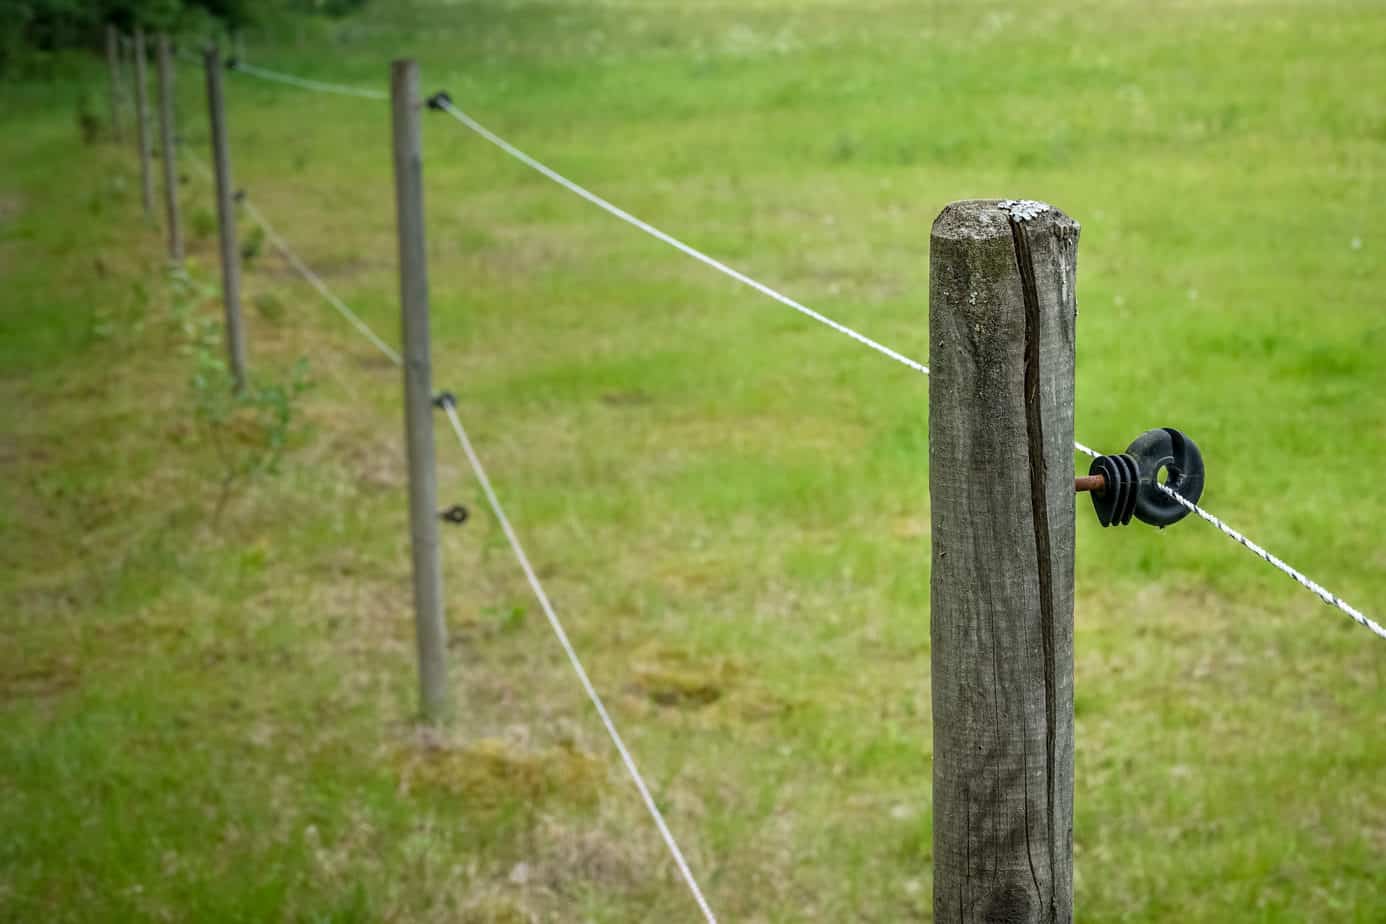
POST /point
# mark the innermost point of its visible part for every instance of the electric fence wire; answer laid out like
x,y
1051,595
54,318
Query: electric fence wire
x,y
1309,584
447,106
1328,597
303,269
557,627
449,406
316,282
241,67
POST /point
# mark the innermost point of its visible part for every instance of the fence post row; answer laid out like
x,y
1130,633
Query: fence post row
x,y
142,126
226,219
429,628
1001,326
113,65
168,151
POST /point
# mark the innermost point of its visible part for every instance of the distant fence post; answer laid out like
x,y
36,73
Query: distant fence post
x,y
226,219
170,158
1001,325
430,630
142,126
113,65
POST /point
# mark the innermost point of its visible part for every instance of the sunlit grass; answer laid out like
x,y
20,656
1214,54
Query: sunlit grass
x,y
728,504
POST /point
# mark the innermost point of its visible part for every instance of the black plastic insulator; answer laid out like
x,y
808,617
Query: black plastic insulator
x,y
232,63
238,196
1116,502
456,515
1164,456
1172,453
444,399
440,100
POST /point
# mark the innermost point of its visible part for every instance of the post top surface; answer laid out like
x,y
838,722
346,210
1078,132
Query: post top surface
x,y
984,219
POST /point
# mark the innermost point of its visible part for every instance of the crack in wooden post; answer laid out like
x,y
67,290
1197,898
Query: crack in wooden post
x,y
1034,416
1001,324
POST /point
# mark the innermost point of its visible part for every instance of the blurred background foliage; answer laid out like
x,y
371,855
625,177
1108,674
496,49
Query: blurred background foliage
x,y
36,36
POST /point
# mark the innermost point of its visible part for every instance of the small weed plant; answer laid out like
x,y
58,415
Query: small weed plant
x,y
249,426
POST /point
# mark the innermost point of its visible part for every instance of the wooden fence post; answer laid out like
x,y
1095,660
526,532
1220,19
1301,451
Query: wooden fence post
x,y
113,65
1001,326
170,157
142,126
429,628
226,220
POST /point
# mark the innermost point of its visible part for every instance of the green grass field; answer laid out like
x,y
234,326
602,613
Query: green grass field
x,y
207,688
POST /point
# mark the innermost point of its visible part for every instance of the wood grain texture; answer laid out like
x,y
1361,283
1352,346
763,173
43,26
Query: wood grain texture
x,y
1001,488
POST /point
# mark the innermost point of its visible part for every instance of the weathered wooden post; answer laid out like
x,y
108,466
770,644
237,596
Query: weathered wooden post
x,y
113,66
226,219
1001,326
169,154
142,126
429,628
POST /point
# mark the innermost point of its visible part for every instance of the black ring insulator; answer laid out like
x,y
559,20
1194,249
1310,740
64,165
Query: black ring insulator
x,y
1117,500
1132,478
456,514
1178,457
440,100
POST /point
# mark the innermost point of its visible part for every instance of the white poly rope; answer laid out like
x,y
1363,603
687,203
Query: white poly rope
x,y
240,67
538,588
316,281
672,241
305,270
595,199
1317,589
592,694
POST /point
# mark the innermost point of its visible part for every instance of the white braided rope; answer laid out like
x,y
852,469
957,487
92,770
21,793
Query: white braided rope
x,y
1315,588
573,659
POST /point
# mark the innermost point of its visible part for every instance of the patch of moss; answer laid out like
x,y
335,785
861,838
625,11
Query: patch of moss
x,y
491,773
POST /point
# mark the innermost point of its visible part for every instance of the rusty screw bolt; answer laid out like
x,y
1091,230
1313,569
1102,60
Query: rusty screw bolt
x,y
1094,483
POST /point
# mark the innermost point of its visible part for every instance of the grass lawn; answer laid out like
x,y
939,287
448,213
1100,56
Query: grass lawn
x,y
207,681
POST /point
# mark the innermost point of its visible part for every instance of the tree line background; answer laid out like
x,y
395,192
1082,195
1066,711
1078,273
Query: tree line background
x,y
35,34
